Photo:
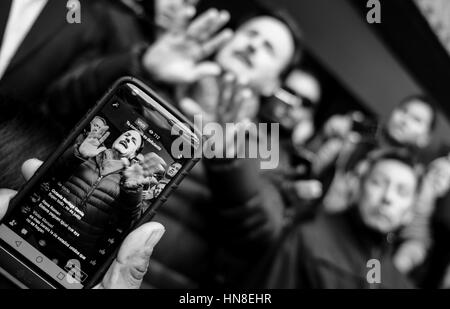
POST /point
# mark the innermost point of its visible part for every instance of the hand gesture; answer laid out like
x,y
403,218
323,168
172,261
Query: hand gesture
x,y
92,145
178,56
141,173
223,100
175,15
235,103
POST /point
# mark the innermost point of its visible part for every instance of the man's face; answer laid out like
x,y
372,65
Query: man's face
x,y
387,195
410,124
128,143
96,124
258,53
173,169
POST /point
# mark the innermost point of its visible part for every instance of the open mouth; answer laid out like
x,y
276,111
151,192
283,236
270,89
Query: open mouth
x,y
124,144
244,57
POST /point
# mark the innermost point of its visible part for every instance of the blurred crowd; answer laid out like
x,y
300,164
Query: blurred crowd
x,y
350,191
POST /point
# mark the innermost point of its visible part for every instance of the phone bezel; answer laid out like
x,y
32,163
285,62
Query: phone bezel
x,y
17,265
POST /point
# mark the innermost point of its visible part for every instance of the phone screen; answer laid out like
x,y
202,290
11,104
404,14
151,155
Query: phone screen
x,y
94,193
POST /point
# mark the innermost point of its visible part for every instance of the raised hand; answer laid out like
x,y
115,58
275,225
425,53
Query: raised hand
x,y
174,15
92,145
233,102
178,56
223,100
138,174
152,164
237,102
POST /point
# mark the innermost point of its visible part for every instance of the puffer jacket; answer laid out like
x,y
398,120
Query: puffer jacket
x,y
94,187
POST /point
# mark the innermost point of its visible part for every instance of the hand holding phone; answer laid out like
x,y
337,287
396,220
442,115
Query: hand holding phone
x,y
134,254
65,226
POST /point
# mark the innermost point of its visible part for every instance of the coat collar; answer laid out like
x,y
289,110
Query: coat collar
x,y
109,162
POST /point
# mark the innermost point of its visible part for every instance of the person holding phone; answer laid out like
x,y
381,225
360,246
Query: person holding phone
x,y
128,269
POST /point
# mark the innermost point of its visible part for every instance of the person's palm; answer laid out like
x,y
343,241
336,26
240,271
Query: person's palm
x,y
178,56
134,176
152,164
91,146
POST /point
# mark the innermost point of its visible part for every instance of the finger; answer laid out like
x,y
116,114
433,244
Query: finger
x,y
205,69
5,197
227,92
103,130
131,264
103,139
183,18
101,149
207,24
30,167
214,44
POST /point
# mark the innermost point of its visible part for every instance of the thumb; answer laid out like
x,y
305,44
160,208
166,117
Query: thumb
x,y
5,197
206,69
30,167
131,263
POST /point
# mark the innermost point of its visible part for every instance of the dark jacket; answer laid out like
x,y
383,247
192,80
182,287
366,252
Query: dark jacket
x,y
431,274
50,49
206,224
335,251
59,72
94,186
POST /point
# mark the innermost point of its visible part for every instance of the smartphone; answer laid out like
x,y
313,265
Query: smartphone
x,y
64,227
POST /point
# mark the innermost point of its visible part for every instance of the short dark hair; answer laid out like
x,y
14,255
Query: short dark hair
x,y
426,100
397,154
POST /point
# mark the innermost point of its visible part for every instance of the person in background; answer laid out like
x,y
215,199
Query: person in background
x,y
410,126
424,255
68,98
293,107
334,250
261,52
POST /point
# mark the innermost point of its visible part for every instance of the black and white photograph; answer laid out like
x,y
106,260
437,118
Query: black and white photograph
x,y
212,145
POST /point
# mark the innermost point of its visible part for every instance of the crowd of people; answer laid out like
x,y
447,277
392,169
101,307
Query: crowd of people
x,y
351,191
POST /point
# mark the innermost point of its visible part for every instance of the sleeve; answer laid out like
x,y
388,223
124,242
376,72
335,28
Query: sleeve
x,y
100,62
250,209
72,94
